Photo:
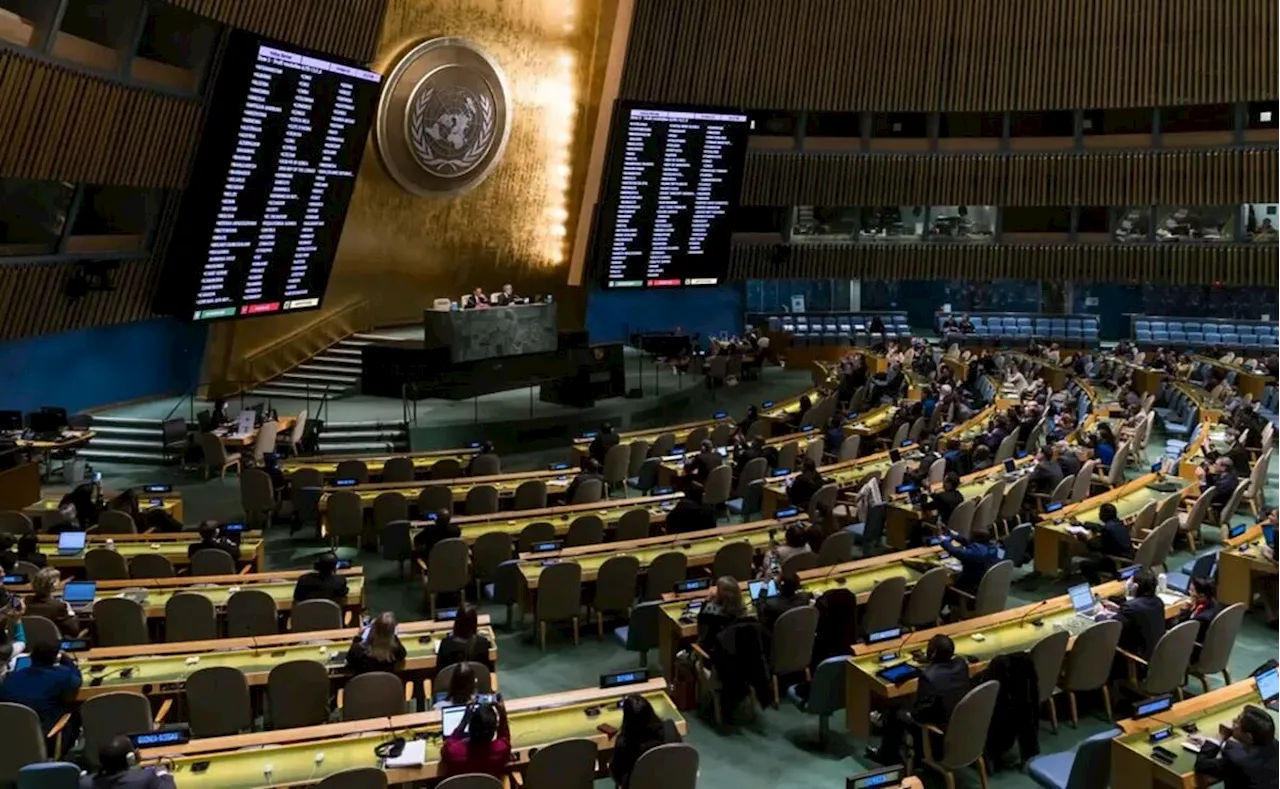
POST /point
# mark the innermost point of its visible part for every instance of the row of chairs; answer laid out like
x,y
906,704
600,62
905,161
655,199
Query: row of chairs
x,y
108,564
402,469
842,329
1201,333
191,616
1073,328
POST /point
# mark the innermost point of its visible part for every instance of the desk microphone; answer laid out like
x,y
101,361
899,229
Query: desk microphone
x,y
1034,608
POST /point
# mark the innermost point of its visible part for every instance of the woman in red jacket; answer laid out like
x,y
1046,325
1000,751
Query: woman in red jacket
x,y
480,744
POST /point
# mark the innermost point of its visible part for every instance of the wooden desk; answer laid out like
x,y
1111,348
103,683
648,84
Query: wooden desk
x,y
19,486
163,669
234,440
69,439
42,509
1004,632
1053,375
1239,564
582,444
1246,381
172,546
609,510
422,461
1131,762
557,482
860,576
1055,544
852,473
901,516
236,762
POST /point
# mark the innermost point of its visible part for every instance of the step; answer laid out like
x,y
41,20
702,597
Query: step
x,y
126,456
100,422
335,356
107,442
366,448
355,342
272,390
359,435
298,374
332,426
350,353
152,431
301,389
317,365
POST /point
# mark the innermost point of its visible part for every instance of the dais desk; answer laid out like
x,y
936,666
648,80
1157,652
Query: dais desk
x,y
1240,562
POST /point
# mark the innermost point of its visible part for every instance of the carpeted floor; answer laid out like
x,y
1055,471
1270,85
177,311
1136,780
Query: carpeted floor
x,y
778,749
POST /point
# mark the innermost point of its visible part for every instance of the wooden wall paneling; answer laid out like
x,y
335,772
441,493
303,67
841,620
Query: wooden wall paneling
x,y
347,28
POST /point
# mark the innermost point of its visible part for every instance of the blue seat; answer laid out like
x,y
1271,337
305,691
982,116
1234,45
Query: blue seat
x,y
1203,566
640,634
1160,337
1058,327
1159,326
1089,766
1231,339
826,694
1177,336
49,775
1195,338
752,500
1243,329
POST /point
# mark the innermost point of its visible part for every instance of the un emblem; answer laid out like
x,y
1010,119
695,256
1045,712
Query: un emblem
x,y
443,118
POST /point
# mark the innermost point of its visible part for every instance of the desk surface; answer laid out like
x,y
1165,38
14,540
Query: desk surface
x,y
1003,633
557,481
1128,499
183,582
175,552
1208,711
328,464
66,440
681,432
535,721
169,502
154,600
160,668
609,511
228,436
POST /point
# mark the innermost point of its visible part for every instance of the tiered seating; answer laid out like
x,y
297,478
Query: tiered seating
x,y
1198,333
813,328
1070,329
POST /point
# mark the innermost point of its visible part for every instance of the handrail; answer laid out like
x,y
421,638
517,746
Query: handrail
x,y
301,331
294,348
241,389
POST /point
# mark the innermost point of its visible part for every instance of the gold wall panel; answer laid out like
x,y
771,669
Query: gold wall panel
x,y
952,55
399,251
1179,265
1217,177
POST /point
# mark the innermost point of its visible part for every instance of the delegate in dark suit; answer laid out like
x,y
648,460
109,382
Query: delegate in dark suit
x,y
1046,476
942,683
1246,759
602,443
1142,623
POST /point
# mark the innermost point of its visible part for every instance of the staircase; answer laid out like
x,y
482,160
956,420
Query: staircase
x,y
363,437
122,439
337,368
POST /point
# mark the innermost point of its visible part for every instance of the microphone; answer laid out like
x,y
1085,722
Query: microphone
x,y
1034,608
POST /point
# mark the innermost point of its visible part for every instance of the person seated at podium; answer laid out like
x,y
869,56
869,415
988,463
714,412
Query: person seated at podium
x,y
641,730
507,296
476,301
1246,758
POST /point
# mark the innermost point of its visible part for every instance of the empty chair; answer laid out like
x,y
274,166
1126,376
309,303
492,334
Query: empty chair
x,y
489,550
218,702
214,455
44,775
1047,656
486,464
150,565
826,694
190,616
387,507
869,533
633,525
639,451
836,548
434,498
647,476
559,598
104,564
395,543
640,634
1013,499
567,764
715,491
252,612
212,561
534,533
585,530
588,491
734,559
615,588
312,615
617,461
531,495
670,766
1218,641
355,778
298,694
265,442
398,469
1080,485
1017,544
445,468
40,630
993,590
116,522
663,573
792,643
924,604
257,497
119,622
966,734
884,606
15,523
352,469
344,515
1089,766
799,563
482,500
787,455
109,715
961,520
892,479
470,781
663,445
374,694
448,570
24,741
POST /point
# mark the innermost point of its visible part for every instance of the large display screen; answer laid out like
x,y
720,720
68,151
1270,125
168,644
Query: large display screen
x,y
259,223
674,177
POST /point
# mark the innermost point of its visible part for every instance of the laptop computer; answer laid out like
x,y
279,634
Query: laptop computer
x,y
1085,605
71,543
79,594
1269,686
451,719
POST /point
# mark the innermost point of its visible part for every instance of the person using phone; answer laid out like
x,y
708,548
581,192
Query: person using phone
x,y
484,748
641,730
1246,758
118,769
377,648
465,643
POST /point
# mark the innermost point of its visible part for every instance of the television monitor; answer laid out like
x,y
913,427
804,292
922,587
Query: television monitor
x,y
673,180
259,222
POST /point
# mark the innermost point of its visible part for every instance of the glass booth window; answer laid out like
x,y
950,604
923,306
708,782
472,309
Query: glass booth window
x,y
32,215
1198,118
970,223
1195,224
765,123
21,21
1259,221
1263,115
1133,224
891,223
823,223
1042,124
